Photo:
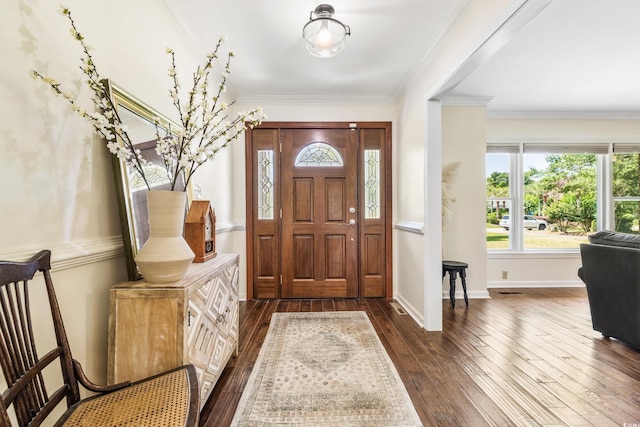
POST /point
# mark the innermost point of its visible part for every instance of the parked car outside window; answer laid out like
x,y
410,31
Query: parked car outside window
x,y
530,223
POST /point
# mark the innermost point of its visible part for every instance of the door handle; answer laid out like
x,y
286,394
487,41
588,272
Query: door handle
x,y
351,222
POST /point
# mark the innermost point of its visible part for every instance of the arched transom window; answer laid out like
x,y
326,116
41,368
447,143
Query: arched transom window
x,y
319,154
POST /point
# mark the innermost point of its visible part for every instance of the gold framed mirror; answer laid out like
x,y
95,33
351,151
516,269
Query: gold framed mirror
x,y
130,188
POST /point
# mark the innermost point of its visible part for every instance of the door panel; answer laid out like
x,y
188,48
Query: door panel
x,y
317,185
303,200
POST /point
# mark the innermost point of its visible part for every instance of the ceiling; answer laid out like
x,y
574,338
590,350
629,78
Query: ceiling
x,y
576,56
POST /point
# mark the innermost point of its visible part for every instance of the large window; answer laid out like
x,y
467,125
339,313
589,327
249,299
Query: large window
x,y
625,186
553,197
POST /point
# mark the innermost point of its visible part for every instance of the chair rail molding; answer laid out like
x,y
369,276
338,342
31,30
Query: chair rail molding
x,y
71,254
410,226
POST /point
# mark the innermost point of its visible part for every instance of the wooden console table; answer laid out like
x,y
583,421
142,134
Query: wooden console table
x,y
154,327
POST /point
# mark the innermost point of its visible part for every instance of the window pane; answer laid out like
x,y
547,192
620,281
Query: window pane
x,y
559,200
265,184
372,183
626,213
625,175
498,199
625,188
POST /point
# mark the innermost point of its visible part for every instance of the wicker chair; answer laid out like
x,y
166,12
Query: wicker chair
x,y
168,399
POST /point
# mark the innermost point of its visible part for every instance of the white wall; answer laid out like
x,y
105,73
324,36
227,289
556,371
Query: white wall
x,y
56,179
548,270
464,132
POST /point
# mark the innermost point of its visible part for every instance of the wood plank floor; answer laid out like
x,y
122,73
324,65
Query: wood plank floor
x,y
528,358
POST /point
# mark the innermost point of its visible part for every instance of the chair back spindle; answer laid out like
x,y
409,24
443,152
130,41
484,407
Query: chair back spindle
x,y
21,365
166,399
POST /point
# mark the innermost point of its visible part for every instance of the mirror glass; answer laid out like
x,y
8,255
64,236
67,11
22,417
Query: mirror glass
x,y
130,188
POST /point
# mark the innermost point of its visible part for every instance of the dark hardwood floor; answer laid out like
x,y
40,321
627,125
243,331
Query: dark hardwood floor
x,y
528,358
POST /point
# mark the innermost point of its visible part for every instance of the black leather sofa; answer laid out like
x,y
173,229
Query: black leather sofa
x,y
611,272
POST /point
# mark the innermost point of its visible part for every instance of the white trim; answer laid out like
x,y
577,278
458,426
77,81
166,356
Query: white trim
x,y
436,47
410,226
470,294
564,115
228,227
317,99
551,254
560,141
519,14
415,315
66,255
432,239
178,16
463,101
536,284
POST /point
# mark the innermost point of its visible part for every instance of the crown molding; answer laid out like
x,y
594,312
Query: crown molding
x,y
564,115
461,100
317,100
441,38
182,24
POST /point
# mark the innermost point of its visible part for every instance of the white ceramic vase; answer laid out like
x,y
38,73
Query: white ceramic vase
x,y
166,256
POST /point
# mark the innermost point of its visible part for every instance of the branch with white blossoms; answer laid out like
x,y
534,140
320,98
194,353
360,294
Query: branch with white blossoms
x,y
105,120
206,126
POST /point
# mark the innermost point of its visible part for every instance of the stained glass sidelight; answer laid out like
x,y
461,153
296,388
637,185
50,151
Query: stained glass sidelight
x,y
372,184
265,184
318,154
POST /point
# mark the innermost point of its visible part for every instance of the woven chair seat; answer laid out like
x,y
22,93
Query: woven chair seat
x,y
156,402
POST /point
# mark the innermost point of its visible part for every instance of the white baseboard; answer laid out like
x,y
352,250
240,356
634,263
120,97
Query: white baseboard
x,y
470,294
415,315
536,284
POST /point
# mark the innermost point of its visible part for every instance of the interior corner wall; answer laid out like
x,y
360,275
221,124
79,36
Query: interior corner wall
x,y
464,133
414,217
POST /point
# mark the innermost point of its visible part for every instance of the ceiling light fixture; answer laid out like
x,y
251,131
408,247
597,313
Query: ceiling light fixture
x,y
323,35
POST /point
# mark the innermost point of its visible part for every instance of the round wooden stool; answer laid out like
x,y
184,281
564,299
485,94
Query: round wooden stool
x,y
455,267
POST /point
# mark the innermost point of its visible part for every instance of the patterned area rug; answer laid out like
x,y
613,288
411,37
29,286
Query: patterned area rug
x,y
324,369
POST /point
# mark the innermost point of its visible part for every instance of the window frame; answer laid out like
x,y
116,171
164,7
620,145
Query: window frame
x,y
604,198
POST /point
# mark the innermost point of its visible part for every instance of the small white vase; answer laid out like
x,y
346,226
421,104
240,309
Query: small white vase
x,y
166,256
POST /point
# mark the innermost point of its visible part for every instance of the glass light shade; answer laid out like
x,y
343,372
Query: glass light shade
x,y
325,36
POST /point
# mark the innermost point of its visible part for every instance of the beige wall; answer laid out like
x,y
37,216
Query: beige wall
x,y
56,179
464,131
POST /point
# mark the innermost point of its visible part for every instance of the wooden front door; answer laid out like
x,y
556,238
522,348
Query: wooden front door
x,y
319,216
318,210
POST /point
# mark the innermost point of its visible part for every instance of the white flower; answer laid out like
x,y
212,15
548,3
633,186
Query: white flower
x,y
204,129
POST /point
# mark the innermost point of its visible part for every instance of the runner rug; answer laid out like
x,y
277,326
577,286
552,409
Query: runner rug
x,y
324,369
